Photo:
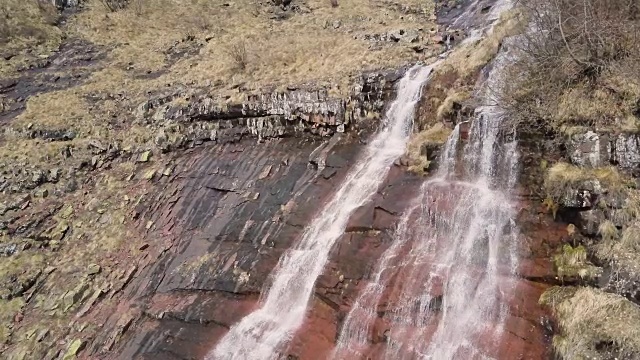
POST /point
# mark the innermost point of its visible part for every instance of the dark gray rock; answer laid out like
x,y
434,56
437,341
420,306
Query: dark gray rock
x,y
595,149
61,4
590,220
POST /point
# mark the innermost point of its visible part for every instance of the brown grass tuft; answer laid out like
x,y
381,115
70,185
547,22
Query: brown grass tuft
x,y
572,262
436,135
608,231
563,178
593,323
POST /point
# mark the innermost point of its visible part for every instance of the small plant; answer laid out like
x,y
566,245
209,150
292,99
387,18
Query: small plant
x,y
334,3
238,53
572,261
608,231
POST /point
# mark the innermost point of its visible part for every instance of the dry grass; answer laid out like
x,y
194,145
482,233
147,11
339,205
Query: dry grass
x,y
608,231
474,54
572,262
436,135
233,50
622,251
593,322
26,24
563,178
454,96
304,47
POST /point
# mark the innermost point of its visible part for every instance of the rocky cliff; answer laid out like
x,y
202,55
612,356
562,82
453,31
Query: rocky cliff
x,y
153,171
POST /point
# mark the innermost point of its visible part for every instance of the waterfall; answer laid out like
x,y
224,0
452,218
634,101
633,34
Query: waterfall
x,y
263,333
442,286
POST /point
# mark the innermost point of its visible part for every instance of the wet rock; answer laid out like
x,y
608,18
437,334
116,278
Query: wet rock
x,y
585,149
16,286
97,294
71,185
53,135
61,4
582,195
97,147
121,327
38,177
42,193
8,249
328,173
66,212
20,202
168,171
361,219
266,115
149,174
42,334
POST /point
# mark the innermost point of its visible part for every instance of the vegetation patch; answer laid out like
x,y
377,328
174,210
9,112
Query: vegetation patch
x,y
622,249
26,25
578,68
593,324
564,180
452,83
421,142
571,262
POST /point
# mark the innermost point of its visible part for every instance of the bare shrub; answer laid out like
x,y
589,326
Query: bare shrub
x,y
238,53
334,3
578,66
115,5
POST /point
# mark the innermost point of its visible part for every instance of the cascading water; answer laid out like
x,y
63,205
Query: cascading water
x,y
443,284
261,334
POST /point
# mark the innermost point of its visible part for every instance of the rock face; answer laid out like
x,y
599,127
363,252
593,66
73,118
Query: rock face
x,y
220,227
593,149
223,220
265,115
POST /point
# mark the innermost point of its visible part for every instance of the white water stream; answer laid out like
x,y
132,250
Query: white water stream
x,y
444,283
263,333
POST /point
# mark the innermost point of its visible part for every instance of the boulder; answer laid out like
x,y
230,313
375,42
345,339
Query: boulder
x,y
594,149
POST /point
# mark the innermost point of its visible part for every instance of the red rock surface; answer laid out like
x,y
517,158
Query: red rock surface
x,y
214,241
